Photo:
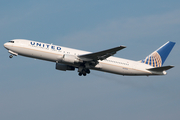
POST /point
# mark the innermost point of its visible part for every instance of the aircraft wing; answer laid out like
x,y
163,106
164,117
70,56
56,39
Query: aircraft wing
x,y
101,55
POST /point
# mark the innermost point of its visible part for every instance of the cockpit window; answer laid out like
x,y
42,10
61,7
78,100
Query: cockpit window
x,y
11,41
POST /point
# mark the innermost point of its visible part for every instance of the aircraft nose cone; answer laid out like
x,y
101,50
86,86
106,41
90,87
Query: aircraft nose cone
x,y
6,45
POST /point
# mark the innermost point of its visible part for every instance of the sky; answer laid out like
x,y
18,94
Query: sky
x,y
33,90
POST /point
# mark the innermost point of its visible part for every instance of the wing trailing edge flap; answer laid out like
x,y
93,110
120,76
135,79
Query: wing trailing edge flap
x,y
101,55
160,69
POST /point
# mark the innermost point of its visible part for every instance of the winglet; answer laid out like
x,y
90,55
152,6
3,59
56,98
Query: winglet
x,y
122,46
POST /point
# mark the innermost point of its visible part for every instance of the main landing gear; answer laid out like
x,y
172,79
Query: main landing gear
x,y
83,71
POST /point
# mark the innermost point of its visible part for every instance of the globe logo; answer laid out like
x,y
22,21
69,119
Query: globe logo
x,y
153,59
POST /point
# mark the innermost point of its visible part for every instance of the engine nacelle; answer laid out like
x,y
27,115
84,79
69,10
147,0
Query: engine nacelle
x,y
70,59
64,67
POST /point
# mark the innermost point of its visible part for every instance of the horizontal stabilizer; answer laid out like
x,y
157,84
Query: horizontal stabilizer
x,y
160,69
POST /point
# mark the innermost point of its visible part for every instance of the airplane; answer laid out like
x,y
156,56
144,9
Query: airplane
x,y
68,59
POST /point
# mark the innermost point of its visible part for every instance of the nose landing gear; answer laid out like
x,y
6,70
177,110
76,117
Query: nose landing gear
x,y
11,56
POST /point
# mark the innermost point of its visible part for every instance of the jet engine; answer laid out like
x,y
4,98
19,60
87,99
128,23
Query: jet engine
x,y
64,67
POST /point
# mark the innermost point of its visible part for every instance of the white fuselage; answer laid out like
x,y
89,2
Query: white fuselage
x,y
54,53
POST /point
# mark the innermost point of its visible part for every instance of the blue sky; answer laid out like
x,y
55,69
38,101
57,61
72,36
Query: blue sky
x,y
33,89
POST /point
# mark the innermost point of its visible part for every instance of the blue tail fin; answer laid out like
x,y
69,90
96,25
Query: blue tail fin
x,y
158,57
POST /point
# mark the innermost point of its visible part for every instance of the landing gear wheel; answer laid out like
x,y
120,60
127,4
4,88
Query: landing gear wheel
x,y
80,74
10,56
87,71
84,72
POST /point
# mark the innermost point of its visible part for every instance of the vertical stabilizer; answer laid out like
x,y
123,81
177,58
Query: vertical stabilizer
x,y
158,57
